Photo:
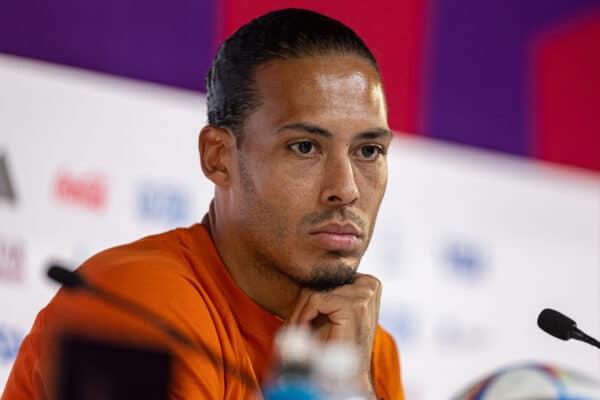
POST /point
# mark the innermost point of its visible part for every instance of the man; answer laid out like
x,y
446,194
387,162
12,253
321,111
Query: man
x,y
296,147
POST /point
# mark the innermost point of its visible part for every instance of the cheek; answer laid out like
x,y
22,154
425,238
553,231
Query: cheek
x,y
373,184
291,186
286,196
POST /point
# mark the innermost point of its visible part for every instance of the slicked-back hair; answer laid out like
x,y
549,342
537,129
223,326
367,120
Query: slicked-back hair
x,y
279,35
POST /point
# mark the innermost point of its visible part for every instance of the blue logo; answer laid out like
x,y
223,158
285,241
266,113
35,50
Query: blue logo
x,y
163,204
465,260
10,340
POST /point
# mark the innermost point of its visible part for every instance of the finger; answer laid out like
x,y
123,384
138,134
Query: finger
x,y
373,284
340,304
327,304
365,288
368,281
302,299
310,309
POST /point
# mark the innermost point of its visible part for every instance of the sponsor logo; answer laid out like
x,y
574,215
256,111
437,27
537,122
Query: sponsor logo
x,y
464,260
10,340
12,261
88,191
163,204
7,190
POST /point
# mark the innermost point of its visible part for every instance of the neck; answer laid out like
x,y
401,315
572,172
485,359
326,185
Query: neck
x,y
267,287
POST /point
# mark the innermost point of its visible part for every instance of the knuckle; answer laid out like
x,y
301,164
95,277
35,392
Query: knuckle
x,y
370,281
368,292
360,306
375,283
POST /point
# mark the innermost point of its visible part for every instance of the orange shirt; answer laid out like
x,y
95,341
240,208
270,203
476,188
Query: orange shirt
x,y
180,276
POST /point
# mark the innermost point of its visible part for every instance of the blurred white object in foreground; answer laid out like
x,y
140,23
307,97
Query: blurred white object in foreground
x,y
308,369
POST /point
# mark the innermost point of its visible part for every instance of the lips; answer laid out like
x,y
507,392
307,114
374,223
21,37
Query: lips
x,y
337,237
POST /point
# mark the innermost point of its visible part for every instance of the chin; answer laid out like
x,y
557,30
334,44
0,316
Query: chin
x,y
327,277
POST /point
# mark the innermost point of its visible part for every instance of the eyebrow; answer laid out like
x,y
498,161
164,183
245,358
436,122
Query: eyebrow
x,y
316,130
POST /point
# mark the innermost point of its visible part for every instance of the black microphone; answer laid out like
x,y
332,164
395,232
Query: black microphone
x,y
69,279
74,281
562,327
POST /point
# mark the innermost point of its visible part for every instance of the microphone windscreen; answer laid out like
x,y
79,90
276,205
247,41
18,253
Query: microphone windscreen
x,y
65,277
556,324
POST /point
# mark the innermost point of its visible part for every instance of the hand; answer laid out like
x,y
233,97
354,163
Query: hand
x,y
349,313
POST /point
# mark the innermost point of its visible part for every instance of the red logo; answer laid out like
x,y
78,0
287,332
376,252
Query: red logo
x,y
12,261
88,191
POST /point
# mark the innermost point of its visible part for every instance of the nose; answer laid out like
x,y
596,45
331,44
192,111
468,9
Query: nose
x,y
339,185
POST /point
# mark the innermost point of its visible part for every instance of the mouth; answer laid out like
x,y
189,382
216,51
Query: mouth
x,y
337,237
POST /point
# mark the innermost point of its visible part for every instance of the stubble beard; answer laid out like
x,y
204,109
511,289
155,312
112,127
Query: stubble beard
x,y
328,277
322,277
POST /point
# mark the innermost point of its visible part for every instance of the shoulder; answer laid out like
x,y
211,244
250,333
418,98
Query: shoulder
x,y
148,253
386,366
152,266
153,273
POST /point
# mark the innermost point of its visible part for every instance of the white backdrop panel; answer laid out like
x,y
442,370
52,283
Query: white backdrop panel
x,y
470,245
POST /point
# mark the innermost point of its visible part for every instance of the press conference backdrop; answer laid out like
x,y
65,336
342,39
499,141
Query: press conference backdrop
x,y
470,245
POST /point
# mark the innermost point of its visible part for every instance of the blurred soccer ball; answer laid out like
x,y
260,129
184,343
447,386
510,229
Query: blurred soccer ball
x,y
533,381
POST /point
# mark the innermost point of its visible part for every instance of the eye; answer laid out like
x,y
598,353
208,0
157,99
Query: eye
x,y
303,148
370,152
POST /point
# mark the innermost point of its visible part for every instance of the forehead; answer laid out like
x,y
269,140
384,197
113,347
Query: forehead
x,y
327,86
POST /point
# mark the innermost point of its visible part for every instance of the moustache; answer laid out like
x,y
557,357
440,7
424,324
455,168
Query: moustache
x,y
335,214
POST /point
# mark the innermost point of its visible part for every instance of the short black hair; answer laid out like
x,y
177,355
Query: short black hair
x,y
279,35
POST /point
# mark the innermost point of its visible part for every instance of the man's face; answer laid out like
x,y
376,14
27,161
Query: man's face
x,y
312,168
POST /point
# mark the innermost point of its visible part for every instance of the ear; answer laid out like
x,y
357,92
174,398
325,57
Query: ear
x,y
216,146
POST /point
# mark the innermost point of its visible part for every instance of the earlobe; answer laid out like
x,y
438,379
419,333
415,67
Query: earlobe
x,y
215,145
